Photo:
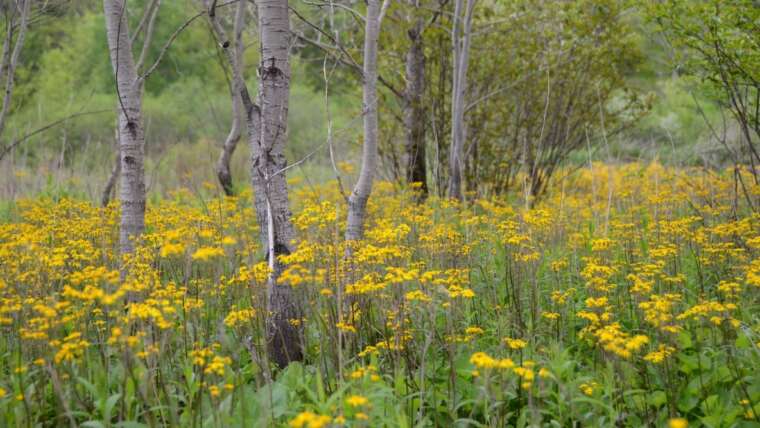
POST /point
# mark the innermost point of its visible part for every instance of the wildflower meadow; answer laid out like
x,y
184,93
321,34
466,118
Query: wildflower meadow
x,y
628,296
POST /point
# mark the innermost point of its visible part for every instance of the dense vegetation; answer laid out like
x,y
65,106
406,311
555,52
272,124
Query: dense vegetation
x,y
441,213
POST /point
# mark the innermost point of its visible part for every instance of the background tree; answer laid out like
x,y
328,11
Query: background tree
x,y
414,108
565,83
236,49
719,43
461,32
523,54
357,202
16,14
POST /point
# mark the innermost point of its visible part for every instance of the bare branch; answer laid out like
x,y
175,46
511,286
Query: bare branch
x,y
154,5
352,63
353,12
7,149
383,10
145,17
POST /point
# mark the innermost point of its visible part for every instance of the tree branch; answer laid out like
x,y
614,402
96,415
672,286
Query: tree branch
x,y
351,62
7,149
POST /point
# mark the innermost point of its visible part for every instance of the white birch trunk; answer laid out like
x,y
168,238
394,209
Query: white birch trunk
x,y
131,134
461,35
357,202
269,182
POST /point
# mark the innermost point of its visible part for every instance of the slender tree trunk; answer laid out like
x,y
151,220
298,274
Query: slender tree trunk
x,y
461,35
230,143
108,190
10,58
357,202
105,199
414,111
146,23
131,136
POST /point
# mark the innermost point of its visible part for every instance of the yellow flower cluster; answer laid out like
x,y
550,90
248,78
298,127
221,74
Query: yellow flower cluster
x,y
309,420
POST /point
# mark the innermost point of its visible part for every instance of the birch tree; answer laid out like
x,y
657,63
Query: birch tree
x,y
145,27
267,134
460,36
357,202
131,133
268,176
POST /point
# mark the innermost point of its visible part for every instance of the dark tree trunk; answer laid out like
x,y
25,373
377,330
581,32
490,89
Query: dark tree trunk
x,y
414,111
230,143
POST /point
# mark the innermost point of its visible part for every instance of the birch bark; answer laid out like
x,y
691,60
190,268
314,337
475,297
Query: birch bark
x,y
267,134
131,134
267,173
357,202
461,35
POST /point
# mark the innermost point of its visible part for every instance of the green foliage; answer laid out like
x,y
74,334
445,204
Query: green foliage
x,y
65,69
718,43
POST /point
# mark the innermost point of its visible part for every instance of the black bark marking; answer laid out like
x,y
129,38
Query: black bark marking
x,y
271,71
280,249
131,127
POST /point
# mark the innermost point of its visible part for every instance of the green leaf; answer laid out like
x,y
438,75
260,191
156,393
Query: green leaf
x,y
130,424
657,398
687,402
742,342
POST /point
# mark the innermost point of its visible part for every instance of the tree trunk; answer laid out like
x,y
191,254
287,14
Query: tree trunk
x,y
10,58
268,177
414,111
230,143
267,134
108,189
115,171
461,35
131,136
357,202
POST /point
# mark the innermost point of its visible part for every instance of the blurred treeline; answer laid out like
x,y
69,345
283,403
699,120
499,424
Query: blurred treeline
x,y
598,69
